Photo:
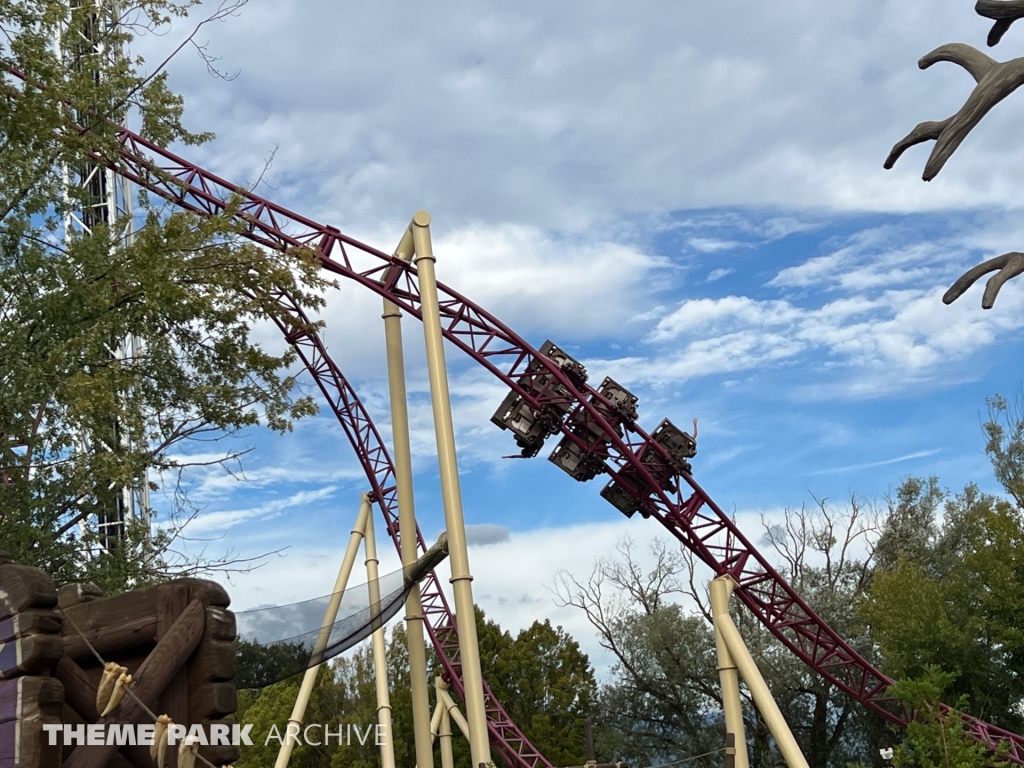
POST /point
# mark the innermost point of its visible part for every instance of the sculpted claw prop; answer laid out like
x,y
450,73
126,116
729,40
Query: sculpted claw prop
x,y
1003,12
1009,265
995,81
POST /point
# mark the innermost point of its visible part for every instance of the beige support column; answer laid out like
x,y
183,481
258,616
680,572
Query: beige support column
x,y
752,677
330,615
444,729
407,521
465,617
435,720
452,709
380,662
720,590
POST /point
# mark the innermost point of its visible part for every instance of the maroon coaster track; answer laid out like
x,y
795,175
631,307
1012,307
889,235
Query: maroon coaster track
x,y
625,451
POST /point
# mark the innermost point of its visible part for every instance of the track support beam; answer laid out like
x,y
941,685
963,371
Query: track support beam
x,y
451,492
407,519
330,615
721,589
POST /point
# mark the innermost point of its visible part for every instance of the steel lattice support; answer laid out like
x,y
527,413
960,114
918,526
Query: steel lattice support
x,y
505,737
627,453
104,200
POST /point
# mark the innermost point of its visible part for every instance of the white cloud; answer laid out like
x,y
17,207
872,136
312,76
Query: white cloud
x,y
896,339
514,579
718,274
223,521
562,115
883,463
486,534
711,245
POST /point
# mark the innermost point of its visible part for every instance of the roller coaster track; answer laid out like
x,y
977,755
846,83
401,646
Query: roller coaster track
x,y
624,451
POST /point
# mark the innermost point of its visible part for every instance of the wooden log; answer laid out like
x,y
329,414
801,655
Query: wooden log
x,y
212,700
171,601
24,743
80,707
209,592
213,662
168,657
111,611
112,641
31,622
30,655
220,624
220,754
75,594
22,587
79,690
29,696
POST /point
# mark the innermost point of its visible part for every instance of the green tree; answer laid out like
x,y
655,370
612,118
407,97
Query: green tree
x,y
934,739
541,677
958,604
664,702
544,681
76,422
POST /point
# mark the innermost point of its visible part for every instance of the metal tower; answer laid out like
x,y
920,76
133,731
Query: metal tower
x,y
102,198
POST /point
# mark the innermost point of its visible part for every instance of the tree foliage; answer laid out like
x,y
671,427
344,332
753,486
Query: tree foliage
x,y
955,602
77,421
541,677
934,739
664,702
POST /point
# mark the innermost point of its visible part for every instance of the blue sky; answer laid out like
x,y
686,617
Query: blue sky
x,y
693,207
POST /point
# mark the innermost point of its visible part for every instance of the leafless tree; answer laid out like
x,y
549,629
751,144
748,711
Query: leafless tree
x,y
656,623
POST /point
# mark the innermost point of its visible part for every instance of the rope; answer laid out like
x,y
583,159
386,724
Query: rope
x,y
127,689
688,759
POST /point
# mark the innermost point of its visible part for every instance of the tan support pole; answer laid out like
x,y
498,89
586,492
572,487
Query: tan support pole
x,y
731,706
444,728
465,616
452,709
330,615
435,720
380,662
755,683
407,520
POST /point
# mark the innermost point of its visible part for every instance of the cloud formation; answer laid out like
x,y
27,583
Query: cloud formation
x,y
561,115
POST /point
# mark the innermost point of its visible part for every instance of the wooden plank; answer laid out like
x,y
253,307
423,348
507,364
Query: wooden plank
x,y
111,611
212,700
113,641
31,622
171,601
24,744
213,662
220,624
80,592
30,655
22,587
28,696
168,657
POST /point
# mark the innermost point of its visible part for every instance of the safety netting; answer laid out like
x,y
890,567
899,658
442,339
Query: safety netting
x,y
279,641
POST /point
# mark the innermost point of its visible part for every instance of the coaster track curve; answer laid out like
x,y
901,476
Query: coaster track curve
x,y
624,451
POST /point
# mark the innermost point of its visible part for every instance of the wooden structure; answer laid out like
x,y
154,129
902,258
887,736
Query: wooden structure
x,y
177,639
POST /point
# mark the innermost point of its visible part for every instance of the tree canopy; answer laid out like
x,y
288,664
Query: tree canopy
x,y
541,677
78,421
928,586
